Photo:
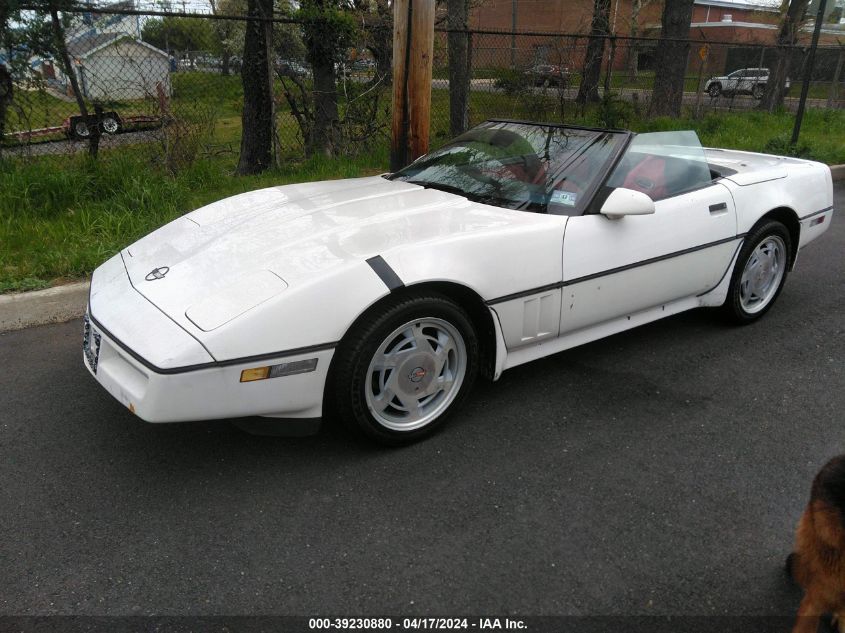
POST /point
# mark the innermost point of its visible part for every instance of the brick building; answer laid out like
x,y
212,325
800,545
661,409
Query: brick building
x,y
736,26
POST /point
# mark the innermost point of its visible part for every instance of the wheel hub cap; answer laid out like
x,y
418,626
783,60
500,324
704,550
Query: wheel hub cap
x,y
415,374
763,274
418,373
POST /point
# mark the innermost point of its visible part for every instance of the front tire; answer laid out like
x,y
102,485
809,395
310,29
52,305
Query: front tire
x,y
715,90
760,272
398,375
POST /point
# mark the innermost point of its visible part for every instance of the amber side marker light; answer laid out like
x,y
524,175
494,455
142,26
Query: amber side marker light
x,y
277,371
256,373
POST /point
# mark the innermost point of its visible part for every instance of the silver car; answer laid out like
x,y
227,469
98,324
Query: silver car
x,y
750,81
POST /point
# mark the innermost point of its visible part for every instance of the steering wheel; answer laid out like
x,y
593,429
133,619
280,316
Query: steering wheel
x,y
474,172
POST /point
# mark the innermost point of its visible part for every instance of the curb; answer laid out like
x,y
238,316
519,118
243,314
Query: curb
x,y
63,303
53,305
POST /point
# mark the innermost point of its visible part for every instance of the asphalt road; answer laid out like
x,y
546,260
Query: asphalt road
x,y
660,471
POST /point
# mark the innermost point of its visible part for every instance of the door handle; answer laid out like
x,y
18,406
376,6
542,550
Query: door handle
x,y
716,208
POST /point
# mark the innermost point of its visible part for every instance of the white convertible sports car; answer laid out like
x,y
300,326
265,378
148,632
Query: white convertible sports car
x,y
381,299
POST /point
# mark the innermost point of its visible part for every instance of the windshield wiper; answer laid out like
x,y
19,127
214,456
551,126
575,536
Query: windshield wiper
x,y
441,187
496,201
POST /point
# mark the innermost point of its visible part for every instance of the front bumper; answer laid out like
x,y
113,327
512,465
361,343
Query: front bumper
x,y
208,393
163,374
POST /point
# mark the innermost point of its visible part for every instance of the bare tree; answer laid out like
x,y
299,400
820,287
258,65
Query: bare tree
x,y
256,77
588,91
792,12
634,47
377,20
459,71
329,28
671,58
229,34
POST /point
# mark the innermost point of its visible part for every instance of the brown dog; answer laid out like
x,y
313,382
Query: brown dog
x,y
818,562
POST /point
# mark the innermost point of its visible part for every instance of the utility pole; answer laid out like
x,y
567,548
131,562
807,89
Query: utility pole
x,y
413,50
805,86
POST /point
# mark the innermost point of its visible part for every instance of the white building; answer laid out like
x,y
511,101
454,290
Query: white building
x,y
116,66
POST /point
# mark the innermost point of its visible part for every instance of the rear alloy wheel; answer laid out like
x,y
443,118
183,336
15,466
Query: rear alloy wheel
x,y
760,272
757,91
715,90
398,375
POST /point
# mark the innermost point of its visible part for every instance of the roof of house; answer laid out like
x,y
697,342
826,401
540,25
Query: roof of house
x,y
84,45
750,5
90,43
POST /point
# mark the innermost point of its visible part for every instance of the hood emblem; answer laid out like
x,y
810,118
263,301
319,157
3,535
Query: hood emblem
x,y
157,273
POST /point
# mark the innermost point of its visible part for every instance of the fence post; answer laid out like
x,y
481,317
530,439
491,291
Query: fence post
x,y
833,95
805,86
610,61
703,53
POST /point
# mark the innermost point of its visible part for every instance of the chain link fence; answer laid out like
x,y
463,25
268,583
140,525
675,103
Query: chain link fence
x,y
171,85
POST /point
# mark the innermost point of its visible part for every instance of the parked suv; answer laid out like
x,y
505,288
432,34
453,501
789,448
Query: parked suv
x,y
750,81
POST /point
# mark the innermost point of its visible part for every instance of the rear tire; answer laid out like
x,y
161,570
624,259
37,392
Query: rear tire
x,y
760,272
398,375
758,91
109,125
80,129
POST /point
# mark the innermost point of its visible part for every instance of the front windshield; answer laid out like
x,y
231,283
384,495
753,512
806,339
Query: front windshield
x,y
540,168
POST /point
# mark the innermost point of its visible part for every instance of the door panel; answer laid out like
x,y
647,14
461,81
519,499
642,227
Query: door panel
x,y
615,267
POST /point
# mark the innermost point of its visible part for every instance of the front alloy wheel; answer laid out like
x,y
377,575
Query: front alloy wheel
x,y
415,374
401,370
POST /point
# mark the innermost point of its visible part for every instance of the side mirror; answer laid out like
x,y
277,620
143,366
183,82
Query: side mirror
x,y
622,202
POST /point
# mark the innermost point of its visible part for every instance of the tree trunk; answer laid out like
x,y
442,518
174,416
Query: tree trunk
x,y
6,83
257,116
671,59
6,96
325,108
225,63
67,67
787,38
459,71
599,29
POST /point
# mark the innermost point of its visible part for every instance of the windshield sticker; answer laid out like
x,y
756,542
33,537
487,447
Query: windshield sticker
x,y
564,197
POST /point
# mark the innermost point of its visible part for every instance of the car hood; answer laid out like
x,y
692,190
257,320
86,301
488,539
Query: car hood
x,y
226,258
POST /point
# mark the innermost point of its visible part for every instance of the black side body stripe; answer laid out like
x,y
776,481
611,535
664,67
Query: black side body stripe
x,y
612,271
385,273
210,365
816,213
